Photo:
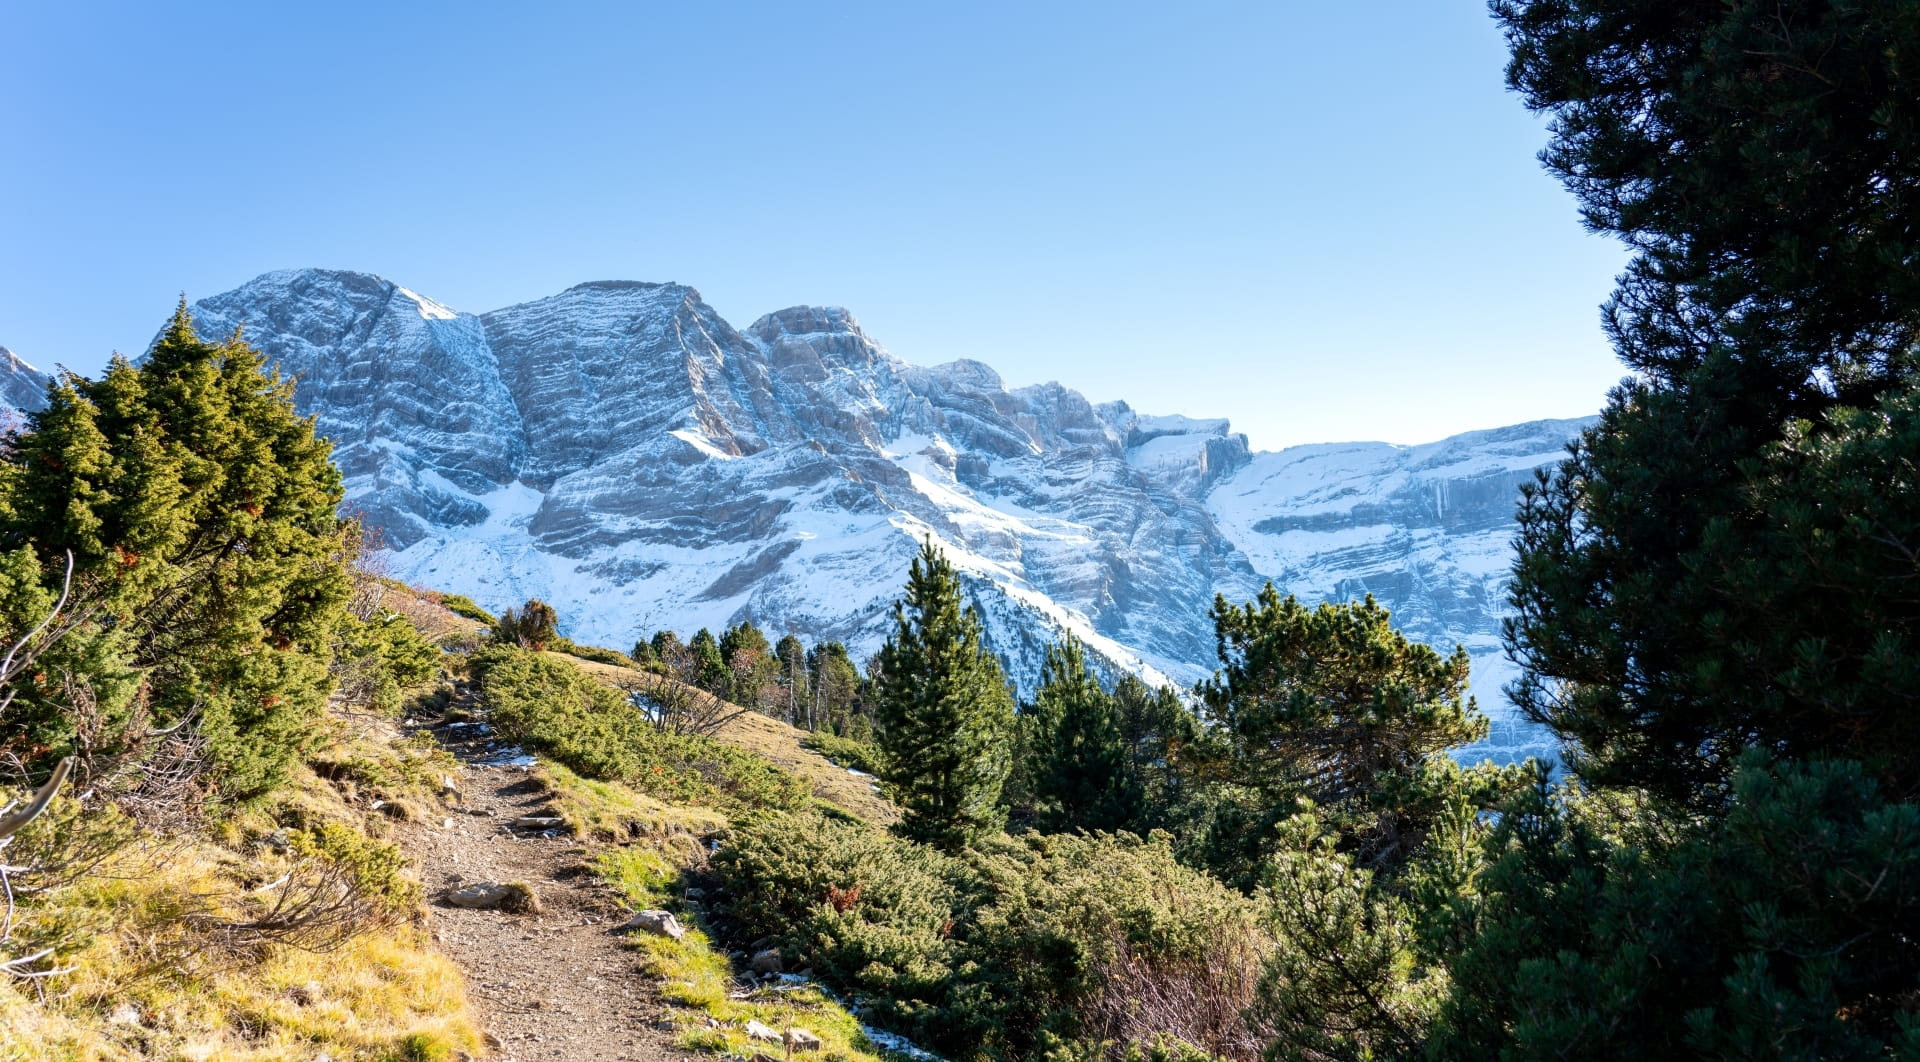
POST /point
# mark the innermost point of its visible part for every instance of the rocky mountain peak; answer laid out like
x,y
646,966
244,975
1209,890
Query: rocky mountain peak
x,y
620,450
23,388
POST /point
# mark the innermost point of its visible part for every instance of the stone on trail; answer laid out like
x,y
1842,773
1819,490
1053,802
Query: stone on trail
x,y
757,1031
801,1040
659,922
768,962
487,895
537,822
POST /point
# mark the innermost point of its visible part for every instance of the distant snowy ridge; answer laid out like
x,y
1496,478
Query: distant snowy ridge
x,y
624,453
23,388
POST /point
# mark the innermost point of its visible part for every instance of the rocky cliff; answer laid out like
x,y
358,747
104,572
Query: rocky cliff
x,y
621,451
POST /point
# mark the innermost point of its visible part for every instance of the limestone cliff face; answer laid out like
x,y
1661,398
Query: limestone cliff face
x,y
621,451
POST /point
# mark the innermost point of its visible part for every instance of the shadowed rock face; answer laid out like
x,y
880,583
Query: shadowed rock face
x,y
621,451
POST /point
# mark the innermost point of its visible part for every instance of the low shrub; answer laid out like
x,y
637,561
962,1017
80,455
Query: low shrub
x,y
847,752
553,708
595,654
1041,945
462,605
376,660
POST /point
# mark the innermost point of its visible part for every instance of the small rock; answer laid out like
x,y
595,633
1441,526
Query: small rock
x,y
536,822
660,922
757,1031
447,823
124,1014
487,895
768,962
279,840
307,994
480,811
801,1040
695,892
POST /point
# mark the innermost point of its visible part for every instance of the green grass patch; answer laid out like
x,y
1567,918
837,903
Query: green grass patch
x,y
552,707
609,811
845,752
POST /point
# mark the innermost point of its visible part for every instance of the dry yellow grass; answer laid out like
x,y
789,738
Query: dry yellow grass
x,y
422,608
608,811
147,983
777,742
144,984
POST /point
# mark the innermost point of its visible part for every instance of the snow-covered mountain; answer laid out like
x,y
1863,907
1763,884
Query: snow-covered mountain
x,y
622,452
23,388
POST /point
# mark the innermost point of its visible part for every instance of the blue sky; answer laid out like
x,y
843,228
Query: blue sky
x,y
1324,221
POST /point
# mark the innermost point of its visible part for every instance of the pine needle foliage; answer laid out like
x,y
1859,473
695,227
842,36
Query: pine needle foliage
x,y
943,713
201,511
1079,768
1333,706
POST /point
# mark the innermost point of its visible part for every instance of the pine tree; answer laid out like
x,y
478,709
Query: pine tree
x,y
1079,772
1713,603
203,513
534,626
1158,731
1680,595
751,666
794,681
839,691
1333,706
704,666
943,713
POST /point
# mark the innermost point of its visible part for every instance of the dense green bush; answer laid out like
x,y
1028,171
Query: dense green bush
x,y
1032,946
376,660
845,751
200,513
462,605
594,653
552,707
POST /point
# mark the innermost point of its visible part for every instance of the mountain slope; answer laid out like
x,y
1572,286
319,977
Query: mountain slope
x,y
621,451
23,388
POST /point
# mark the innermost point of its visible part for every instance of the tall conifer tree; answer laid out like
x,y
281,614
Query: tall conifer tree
x,y
1079,767
943,712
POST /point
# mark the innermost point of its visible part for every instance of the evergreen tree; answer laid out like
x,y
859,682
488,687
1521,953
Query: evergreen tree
x,y
1333,706
1679,594
839,691
1079,772
535,626
1711,594
794,682
1158,731
201,510
751,666
943,713
704,666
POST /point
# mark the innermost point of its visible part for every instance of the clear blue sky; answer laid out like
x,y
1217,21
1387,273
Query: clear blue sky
x,y
1323,220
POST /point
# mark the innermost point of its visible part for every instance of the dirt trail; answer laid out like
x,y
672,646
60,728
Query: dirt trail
x,y
552,985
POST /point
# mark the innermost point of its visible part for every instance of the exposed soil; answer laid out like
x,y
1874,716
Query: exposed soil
x,y
556,984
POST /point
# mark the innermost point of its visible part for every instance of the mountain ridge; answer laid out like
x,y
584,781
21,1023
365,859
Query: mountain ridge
x,y
622,451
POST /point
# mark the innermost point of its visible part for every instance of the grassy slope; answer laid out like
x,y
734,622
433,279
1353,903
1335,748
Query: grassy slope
x,y
776,741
